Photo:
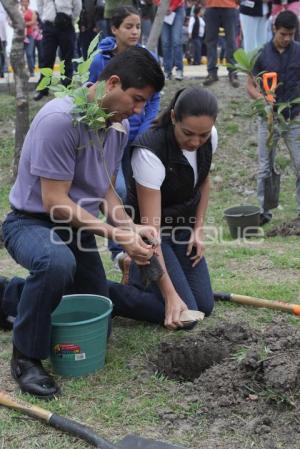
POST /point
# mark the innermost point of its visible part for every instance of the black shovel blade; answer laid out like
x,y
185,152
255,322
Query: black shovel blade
x,y
136,442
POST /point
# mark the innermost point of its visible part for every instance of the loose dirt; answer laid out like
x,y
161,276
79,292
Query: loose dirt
x,y
286,229
247,381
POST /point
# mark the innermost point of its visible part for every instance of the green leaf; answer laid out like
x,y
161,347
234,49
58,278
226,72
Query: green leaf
x,y
295,101
93,45
282,107
84,67
47,72
242,58
62,68
45,82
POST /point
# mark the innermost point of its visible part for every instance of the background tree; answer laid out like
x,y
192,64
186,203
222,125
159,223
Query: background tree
x,y
157,25
20,75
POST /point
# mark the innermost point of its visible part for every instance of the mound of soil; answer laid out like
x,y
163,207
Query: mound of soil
x,y
286,229
246,380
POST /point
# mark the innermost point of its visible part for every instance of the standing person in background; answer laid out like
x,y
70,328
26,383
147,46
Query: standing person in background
x,y
3,40
30,20
220,13
58,34
87,25
171,39
196,33
126,28
254,22
147,14
280,55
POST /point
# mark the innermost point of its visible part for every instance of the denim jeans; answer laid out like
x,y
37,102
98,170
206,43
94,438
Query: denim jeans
x,y
29,51
171,38
255,31
60,261
266,157
215,18
197,44
192,285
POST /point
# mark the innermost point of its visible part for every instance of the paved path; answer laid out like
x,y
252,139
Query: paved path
x,y
190,71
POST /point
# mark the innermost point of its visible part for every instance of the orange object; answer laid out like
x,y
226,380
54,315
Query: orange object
x,y
269,77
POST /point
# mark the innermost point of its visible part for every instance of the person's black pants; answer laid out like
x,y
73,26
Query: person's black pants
x,y
65,41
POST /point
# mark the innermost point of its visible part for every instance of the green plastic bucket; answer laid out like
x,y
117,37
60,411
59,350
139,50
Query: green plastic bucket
x,y
242,220
79,334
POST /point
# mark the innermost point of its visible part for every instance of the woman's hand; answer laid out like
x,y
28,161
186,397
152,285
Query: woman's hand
x,y
134,245
196,241
173,308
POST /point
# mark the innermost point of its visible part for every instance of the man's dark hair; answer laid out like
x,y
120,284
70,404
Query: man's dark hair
x,y
286,19
136,67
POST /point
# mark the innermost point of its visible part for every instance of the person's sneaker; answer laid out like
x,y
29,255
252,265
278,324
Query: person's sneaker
x,y
233,79
32,377
168,76
210,79
265,218
179,75
6,322
124,262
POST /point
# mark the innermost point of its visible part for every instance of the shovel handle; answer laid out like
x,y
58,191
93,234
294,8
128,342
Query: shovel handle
x,y
258,302
59,422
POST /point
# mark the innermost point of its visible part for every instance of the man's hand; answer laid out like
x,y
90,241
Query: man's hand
x,y
196,241
173,308
149,233
134,245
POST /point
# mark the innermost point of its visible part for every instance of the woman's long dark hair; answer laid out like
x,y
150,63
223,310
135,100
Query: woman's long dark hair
x,y
190,101
120,14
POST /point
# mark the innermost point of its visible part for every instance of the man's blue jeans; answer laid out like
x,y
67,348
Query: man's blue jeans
x,y
215,18
60,261
192,285
171,38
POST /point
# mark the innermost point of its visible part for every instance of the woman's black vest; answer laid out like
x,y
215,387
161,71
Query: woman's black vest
x,y
179,196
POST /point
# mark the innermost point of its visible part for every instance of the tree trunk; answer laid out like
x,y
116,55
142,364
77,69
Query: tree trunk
x,y
21,77
157,25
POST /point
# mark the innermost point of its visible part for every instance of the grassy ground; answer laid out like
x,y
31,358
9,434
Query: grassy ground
x,y
120,399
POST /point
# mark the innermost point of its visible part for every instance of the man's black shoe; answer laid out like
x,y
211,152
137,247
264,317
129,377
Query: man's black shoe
x,y
32,377
6,322
265,218
210,79
39,95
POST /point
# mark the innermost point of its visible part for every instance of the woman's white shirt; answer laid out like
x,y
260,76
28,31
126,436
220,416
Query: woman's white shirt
x,y
149,171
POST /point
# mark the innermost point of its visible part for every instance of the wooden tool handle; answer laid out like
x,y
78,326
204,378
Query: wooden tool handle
x,y
258,302
59,422
28,409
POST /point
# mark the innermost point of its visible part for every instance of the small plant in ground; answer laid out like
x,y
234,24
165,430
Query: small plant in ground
x,y
276,397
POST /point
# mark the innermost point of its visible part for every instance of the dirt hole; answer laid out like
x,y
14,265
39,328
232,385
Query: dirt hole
x,y
188,358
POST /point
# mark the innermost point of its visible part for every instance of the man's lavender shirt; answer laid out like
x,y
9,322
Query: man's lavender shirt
x,y
56,149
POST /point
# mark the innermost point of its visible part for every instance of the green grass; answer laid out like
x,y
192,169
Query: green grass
x,y
128,395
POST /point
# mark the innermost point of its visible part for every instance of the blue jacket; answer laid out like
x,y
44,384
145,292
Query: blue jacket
x,y
138,122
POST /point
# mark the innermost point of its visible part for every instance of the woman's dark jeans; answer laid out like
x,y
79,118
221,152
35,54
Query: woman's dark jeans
x,y
192,285
60,261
